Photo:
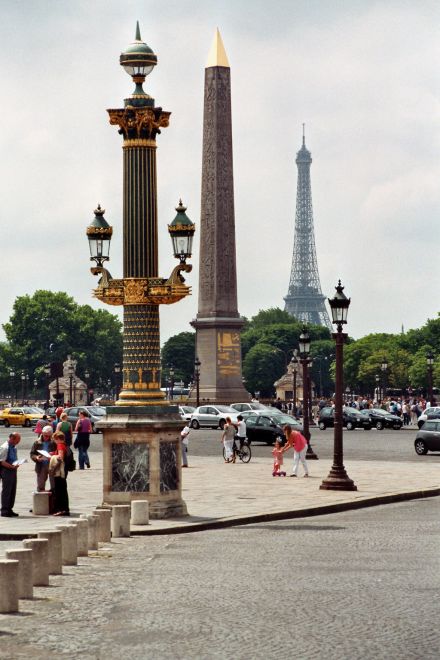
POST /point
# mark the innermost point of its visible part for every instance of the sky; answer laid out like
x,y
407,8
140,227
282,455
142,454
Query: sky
x,y
364,77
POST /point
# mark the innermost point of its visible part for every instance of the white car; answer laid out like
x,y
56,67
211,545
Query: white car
x,y
212,416
251,405
185,412
433,413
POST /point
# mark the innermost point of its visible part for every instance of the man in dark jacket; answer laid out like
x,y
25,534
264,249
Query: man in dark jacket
x,y
44,442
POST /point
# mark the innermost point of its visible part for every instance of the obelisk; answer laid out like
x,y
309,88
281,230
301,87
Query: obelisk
x,y
218,323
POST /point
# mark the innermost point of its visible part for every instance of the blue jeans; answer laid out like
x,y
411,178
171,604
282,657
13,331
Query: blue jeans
x,y
83,457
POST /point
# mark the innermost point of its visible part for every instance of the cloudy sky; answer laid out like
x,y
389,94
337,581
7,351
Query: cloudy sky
x,y
363,75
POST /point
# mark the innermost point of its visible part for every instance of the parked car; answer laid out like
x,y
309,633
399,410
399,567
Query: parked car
x,y
268,427
433,412
381,419
185,412
252,405
428,438
96,414
212,416
23,416
351,419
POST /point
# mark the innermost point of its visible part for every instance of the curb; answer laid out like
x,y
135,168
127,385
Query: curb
x,y
222,523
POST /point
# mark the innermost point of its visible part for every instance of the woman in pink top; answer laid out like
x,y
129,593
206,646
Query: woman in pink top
x,y
297,441
83,430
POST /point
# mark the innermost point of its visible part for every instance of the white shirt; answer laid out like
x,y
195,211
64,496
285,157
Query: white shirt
x,y
241,430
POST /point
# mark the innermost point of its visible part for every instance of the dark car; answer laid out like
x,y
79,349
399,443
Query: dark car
x,y
428,438
351,419
381,419
268,427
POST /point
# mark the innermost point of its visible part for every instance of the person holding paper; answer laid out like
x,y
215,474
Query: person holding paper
x,y
46,444
8,474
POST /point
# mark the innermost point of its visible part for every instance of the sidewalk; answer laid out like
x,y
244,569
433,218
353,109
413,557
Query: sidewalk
x,y
219,494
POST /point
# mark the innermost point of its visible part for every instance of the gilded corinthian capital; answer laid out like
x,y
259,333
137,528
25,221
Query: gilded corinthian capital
x,y
139,123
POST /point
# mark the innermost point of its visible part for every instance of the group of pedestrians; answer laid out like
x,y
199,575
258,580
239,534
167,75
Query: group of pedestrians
x,y
52,454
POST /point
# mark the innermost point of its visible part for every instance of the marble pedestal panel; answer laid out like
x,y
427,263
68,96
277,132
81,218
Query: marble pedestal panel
x,y
142,458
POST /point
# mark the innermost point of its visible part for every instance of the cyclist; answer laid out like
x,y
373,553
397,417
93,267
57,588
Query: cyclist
x,y
241,431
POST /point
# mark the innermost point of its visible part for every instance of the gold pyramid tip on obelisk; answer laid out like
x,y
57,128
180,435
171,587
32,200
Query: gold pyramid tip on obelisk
x,y
217,55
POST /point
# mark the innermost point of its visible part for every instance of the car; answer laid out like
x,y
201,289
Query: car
x,y
268,427
21,416
428,438
351,419
433,412
212,416
245,407
185,412
96,414
382,419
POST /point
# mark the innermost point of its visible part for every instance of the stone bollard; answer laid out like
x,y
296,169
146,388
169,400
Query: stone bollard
x,y
69,544
93,530
104,525
140,512
8,585
55,554
25,582
82,529
40,504
40,551
121,520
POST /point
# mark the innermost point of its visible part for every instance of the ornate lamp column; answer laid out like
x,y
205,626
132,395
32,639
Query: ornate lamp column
x,y
337,478
141,432
304,350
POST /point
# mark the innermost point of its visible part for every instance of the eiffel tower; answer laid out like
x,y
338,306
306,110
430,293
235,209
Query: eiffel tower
x,y
304,299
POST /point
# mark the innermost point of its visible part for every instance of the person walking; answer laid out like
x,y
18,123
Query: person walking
x,y
83,430
45,443
8,474
57,469
184,444
65,427
296,441
227,438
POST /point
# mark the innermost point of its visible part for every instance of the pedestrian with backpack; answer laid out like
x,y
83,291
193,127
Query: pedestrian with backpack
x,y
58,470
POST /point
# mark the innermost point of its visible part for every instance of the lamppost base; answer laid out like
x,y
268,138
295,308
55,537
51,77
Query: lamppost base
x,y
338,479
310,454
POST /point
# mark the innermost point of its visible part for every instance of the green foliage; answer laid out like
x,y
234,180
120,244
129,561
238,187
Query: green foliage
x,y
262,366
179,352
47,326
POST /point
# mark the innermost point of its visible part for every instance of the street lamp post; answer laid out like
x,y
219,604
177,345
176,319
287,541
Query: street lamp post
x,y
294,363
384,369
117,370
377,379
337,478
171,372
47,375
153,424
311,420
197,364
71,371
13,392
430,363
35,388
304,350
87,376
23,381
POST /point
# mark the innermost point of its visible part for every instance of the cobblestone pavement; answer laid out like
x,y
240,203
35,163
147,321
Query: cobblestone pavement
x,y
350,586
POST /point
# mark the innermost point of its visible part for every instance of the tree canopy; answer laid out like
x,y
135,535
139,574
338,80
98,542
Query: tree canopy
x,y
179,352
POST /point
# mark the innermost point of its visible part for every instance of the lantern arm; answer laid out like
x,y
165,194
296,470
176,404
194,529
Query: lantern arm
x,y
176,277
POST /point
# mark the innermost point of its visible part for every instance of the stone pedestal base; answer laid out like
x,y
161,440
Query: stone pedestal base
x,y
142,458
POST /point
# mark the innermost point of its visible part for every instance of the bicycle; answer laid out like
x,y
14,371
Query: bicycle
x,y
244,452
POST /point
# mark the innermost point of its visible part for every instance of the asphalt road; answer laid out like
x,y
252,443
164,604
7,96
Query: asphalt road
x,y
351,586
386,445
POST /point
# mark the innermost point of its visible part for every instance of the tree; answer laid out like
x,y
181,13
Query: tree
x,y
262,366
47,326
179,352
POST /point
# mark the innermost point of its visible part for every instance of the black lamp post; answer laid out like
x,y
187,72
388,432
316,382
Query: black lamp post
x,y
23,381
35,388
47,374
304,350
337,478
87,376
197,364
377,379
430,363
294,364
117,370
311,420
13,391
71,371
384,369
171,372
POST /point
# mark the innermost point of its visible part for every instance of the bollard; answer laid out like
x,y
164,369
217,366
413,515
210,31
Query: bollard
x,y
82,529
140,512
55,552
93,530
69,544
40,551
25,582
8,585
121,520
40,503
104,525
